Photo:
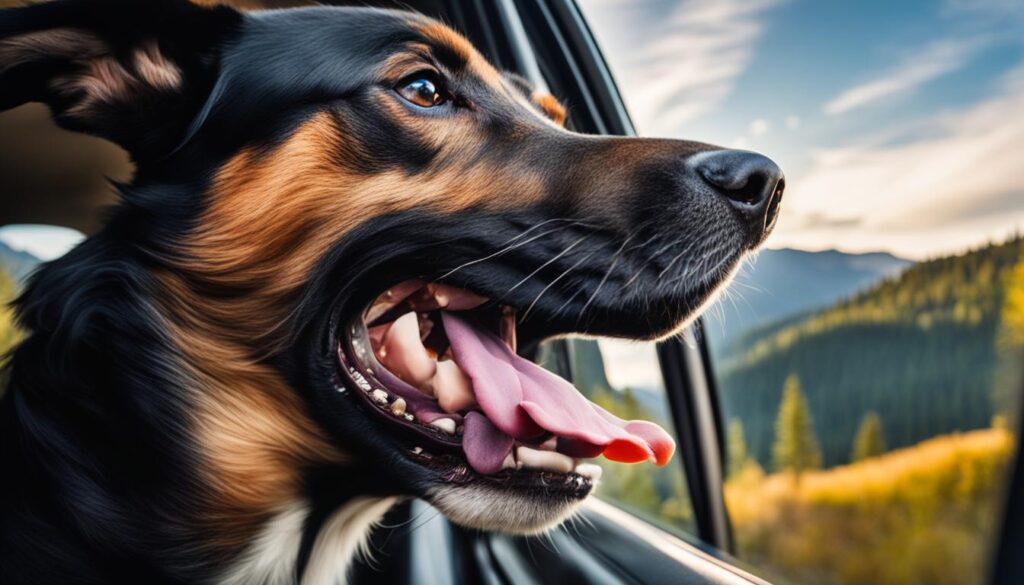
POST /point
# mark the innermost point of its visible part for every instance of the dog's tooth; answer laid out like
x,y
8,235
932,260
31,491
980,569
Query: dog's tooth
x,y
398,407
452,387
379,396
591,471
509,462
549,445
402,352
546,460
409,416
360,380
441,298
444,424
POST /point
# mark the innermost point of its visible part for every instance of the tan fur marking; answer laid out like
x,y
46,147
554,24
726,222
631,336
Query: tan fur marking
x,y
253,431
101,78
155,69
440,34
64,43
550,105
272,216
443,35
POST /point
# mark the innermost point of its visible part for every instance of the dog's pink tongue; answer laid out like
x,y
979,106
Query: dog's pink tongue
x,y
523,400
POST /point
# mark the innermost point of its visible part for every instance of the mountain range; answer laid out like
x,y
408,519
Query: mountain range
x,y
784,282
17,263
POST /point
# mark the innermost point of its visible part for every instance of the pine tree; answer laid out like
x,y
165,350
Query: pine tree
x,y
1010,343
796,447
736,448
870,439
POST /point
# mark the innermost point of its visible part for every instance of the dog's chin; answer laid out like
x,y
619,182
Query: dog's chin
x,y
485,507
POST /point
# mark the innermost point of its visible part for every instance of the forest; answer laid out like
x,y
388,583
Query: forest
x,y
921,350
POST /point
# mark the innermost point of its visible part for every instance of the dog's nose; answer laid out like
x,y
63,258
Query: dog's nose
x,y
752,183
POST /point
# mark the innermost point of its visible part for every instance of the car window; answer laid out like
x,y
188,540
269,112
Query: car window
x,y
868,361
625,379
22,249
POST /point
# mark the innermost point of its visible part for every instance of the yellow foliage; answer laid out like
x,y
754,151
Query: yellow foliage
x,y
9,333
915,512
1013,310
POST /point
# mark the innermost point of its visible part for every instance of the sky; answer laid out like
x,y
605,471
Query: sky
x,y
900,125
45,242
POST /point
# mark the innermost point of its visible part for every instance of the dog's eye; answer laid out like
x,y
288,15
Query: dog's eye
x,y
423,89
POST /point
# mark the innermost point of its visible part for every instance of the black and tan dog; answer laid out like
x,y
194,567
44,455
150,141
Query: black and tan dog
x,y
308,300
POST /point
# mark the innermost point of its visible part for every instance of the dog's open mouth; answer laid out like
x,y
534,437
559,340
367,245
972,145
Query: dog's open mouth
x,y
439,364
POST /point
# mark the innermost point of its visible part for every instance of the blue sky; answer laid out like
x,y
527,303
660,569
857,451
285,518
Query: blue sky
x,y
900,125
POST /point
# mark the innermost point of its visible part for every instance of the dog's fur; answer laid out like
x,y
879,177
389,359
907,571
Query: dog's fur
x,y
171,415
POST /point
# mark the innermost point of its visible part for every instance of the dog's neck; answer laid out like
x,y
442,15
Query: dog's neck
x,y
113,393
277,556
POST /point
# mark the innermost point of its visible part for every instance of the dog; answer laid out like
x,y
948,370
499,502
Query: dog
x,y
344,229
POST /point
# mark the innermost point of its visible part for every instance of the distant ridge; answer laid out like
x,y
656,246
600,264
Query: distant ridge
x,y
790,282
17,263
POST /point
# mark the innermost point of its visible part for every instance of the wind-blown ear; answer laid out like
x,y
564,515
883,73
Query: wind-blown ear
x,y
131,71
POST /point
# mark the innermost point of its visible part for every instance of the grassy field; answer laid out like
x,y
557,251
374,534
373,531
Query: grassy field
x,y
921,514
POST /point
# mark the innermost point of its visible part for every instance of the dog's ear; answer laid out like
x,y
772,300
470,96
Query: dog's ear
x,y
131,71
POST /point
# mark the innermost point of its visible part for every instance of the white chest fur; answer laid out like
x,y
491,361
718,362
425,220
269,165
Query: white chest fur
x,y
270,559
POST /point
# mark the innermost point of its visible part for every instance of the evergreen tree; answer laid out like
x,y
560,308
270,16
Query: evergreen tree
x,y
796,446
736,448
1010,343
870,439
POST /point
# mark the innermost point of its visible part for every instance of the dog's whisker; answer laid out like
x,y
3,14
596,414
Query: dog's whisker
x,y
611,267
554,259
509,248
555,281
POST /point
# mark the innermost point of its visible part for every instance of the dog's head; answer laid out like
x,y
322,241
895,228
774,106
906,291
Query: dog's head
x,y
354,220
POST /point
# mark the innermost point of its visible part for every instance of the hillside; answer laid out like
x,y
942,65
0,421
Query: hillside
x,y
17,263
784,282
917,348
910,516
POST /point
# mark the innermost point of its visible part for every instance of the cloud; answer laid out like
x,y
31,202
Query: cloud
x,y
679,60
792,122
819,220
760,127
938,59
941,189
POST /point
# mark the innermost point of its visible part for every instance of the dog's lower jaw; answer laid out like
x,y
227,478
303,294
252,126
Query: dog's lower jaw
x,y
486,508
272,557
